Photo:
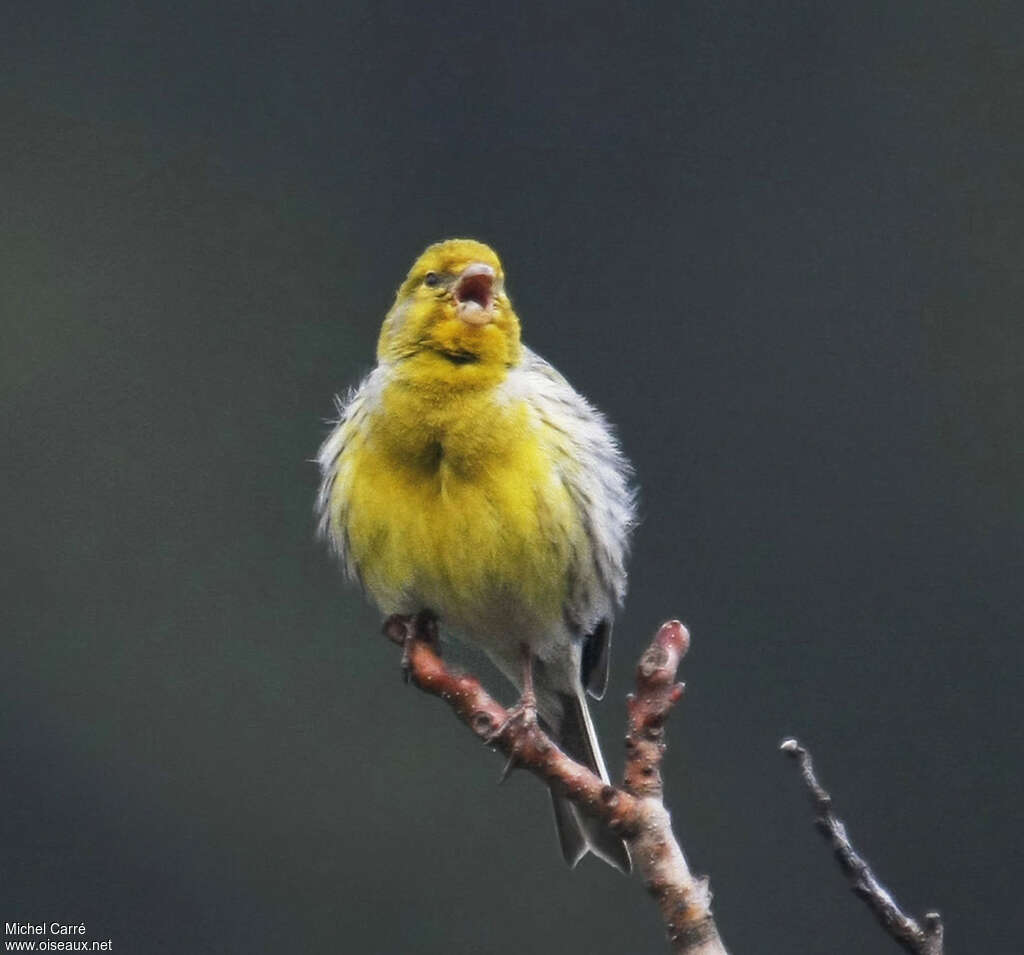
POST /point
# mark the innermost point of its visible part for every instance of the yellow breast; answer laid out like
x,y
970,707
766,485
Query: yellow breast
x,y
455,502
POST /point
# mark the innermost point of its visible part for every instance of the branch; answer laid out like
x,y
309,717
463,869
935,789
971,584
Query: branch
x,y
910,934
635,810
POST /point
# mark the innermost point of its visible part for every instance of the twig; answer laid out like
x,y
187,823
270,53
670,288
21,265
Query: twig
x,y
635,810
915,938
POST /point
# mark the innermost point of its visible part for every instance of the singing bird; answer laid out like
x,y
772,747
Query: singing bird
x,y
466,476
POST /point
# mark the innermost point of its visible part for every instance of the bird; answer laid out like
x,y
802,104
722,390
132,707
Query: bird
x,y
465,476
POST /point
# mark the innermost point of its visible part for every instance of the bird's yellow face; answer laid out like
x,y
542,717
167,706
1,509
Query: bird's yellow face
x,y
452,319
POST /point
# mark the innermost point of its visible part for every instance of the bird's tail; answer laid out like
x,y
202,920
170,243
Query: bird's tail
x,y
579,833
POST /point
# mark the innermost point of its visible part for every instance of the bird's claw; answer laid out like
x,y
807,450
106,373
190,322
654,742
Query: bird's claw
x,y
406,663
510,764
523,714
403,629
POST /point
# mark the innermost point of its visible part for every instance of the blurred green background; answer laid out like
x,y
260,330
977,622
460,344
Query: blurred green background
x,y
778,244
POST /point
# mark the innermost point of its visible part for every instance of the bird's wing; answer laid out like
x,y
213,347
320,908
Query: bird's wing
x,y
335,459
597,476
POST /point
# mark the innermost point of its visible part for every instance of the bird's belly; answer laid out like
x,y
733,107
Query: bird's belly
x,y
488,548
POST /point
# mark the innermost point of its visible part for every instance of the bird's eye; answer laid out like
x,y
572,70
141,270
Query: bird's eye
x,y
431,279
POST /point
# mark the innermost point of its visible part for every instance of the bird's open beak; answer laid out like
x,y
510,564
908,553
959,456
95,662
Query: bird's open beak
x,y
474,294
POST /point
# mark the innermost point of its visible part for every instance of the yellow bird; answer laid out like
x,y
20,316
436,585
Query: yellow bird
x,y
467,477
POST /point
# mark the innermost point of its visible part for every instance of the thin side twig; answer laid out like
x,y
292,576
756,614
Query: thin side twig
x,y
683,898
635,810
916,938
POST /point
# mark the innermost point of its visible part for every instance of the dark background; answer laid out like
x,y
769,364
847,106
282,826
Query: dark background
x,y
779,244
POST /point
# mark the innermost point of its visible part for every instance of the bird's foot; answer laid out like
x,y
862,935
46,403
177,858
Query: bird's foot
x,y
521,719
523,714
403,629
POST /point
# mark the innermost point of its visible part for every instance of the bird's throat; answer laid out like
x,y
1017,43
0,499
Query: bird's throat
x,y
429,425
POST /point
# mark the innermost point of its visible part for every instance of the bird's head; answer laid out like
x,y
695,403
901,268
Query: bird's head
x,y
451,316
